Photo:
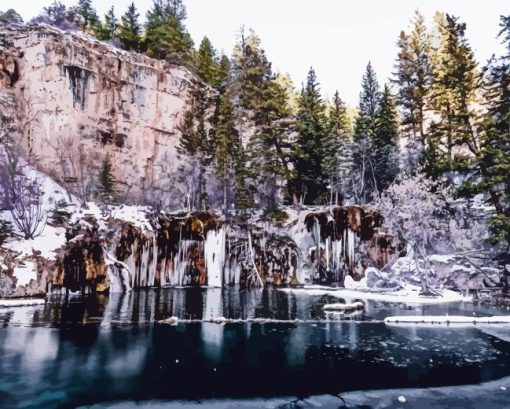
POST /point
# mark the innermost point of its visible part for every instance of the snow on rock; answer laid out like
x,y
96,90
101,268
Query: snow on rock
x,y
352,284
344,307
410,294
46,244
25,273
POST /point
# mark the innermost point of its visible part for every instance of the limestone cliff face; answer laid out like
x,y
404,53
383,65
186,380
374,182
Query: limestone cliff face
x,y
81,98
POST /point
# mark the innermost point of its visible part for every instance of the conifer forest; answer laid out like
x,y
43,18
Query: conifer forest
x,y
188,224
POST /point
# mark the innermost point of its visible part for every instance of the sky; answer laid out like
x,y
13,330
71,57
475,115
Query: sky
x,y
336,37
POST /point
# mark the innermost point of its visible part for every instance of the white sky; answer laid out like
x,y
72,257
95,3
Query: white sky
x,y
336,37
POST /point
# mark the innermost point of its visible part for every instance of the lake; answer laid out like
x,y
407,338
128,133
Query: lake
x,y
95,349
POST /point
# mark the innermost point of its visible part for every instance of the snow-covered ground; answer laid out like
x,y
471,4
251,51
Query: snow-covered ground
x,y
410,294
47,243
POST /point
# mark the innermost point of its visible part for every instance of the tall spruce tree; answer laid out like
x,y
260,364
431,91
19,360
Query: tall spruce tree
x,y
130,29
364,185
197,139
90,19
231,160
309,185
337,147
206,63
107,180
110,26
165,32
223,73
262,110
494,161
455,83
269,149
412,78
385,144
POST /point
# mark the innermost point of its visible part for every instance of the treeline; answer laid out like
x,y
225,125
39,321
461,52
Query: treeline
x,y
253,142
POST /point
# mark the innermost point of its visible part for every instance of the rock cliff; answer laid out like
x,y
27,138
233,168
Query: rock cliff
x,y
78,99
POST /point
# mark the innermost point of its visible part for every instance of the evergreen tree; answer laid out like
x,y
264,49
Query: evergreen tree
x,y
337,146
109,28
165,33
455,82
310,184
129,29
364,185
269,149
385,141
206,63
223,72
494,160
261,106
56,13
89,15
197,140
107,180
60,214
228,147
10,16
413,81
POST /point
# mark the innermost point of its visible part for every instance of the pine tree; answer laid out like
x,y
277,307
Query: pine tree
x,y
206,63
337,146
109,28
310,184
165,33
385,141
364,185
107,180
269,149
494,162
223,73
413,81
130,29
455,82
250,71
197,139
88,13
60,214
261,107
10,16
228,146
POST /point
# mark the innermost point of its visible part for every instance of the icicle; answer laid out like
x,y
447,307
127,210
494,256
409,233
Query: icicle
x,y
252,258
214,255
154,262
328,243
118,272
351,244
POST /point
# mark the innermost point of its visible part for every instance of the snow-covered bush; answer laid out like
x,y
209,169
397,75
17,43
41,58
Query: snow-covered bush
x,y
423,213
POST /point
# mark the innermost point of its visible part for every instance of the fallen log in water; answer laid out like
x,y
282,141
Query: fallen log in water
x,y
344,307
447,320
21,302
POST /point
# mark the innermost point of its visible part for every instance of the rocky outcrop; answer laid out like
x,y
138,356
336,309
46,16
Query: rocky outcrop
x,y
201,248
80,98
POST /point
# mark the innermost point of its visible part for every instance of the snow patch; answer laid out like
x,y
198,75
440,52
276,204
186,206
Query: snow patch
x,y
25,273
47,243
410,294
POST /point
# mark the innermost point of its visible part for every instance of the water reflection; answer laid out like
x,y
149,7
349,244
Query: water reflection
x,y
111,347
